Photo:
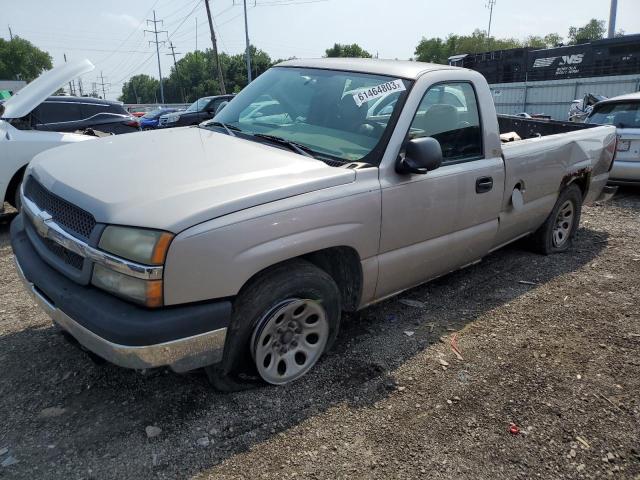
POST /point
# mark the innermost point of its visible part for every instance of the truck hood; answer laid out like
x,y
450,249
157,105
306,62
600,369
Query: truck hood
x,y
23,102
174,179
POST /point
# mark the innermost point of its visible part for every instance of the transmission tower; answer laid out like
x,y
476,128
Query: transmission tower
x,y
175,66
105,86
155,31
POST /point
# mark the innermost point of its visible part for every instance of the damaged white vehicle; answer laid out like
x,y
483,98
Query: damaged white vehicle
x,y
18,143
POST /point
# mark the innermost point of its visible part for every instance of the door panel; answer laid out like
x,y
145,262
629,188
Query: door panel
x,y
435,223
448,218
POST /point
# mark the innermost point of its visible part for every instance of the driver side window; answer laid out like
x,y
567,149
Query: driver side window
x,y
448,112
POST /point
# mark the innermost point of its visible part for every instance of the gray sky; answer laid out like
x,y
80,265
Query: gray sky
x,y
283,28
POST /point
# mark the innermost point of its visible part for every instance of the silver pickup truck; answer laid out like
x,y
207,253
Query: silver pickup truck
x,y
323,187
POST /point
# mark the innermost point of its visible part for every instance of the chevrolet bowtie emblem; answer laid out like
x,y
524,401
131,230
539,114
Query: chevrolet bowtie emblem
x,y
41,223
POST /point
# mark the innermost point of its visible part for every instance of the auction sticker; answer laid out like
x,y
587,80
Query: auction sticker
x,y
371,93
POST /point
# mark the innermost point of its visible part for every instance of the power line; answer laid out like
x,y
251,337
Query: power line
x,y
157,42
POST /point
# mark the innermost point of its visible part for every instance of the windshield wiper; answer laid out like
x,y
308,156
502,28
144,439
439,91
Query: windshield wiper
x,y
227,128
296,147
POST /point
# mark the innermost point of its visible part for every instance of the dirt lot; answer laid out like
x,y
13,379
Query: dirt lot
x,y
550,344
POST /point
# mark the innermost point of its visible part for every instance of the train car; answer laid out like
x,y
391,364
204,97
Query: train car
x,y
612,56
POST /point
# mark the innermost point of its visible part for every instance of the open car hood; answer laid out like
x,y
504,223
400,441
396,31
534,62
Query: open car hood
x,y
23,102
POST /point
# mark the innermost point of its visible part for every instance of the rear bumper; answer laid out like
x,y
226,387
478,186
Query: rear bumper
x,y
182,338
625,172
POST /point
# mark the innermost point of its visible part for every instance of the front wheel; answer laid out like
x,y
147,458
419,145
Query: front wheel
x,y
283,322
557,232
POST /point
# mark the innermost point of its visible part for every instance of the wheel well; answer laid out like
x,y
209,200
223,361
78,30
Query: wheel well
x,y
581,179
343,264
581,182
13,186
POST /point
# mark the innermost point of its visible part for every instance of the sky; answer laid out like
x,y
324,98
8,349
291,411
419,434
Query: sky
x,y
111,33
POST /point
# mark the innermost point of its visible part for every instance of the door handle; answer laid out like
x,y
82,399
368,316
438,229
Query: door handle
x,y
484,184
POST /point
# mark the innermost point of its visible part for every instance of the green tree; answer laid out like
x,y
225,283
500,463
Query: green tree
x,y
553,39
353,51
20,59
141,89
432,50
594,30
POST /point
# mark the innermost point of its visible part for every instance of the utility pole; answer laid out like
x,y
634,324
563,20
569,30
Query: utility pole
x,y
103,85
80,87
248,50
490,5
156,32
215,49
10,32
196,52
175,66
613,13
71,92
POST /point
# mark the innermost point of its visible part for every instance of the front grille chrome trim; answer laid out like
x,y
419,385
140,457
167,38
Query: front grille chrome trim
x,y
47,228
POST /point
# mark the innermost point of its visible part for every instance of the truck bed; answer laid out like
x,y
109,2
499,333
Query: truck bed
x,y
534,127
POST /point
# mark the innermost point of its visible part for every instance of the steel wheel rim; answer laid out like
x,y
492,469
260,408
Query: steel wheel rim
x,y
289,340
563,224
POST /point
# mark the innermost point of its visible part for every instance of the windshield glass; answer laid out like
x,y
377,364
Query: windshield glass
x,y
343,115
198,105
622,115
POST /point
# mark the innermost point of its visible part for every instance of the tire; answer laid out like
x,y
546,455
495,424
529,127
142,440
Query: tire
x,y
287,316
558,231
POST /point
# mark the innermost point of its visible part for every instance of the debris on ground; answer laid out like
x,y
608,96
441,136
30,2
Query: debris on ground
x,y
152,431
412,303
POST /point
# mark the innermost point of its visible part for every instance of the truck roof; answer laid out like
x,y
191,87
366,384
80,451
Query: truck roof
x,y
393,68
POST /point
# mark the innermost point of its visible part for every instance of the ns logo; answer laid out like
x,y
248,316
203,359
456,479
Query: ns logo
x,y
572,59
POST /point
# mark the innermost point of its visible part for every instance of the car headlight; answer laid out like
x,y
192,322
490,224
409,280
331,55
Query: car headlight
x,y
146,247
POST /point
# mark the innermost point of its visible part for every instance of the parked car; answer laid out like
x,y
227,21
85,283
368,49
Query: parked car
x,y
241,256
71,114
202,109
19,142
150,119
624,113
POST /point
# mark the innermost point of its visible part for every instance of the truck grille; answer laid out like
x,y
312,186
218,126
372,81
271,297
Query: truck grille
x,y
70,258
73,219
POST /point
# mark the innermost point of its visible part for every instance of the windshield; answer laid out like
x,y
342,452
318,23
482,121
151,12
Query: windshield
x,y
342,115
622,115
198,105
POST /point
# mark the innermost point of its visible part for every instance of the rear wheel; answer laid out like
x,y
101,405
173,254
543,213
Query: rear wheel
x,y
283,321
557,233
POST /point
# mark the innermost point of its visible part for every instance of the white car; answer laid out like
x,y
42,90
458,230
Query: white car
x,y
624,113
18,143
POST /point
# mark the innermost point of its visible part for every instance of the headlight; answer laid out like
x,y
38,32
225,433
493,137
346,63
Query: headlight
x,y
144,292
148,247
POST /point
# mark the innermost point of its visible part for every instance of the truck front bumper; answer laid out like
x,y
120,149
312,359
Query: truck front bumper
x,y
183,338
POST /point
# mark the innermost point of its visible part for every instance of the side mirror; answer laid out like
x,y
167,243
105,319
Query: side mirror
x,y
421,156
221,107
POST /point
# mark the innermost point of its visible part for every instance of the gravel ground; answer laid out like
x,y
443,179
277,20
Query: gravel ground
x,y
550,345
